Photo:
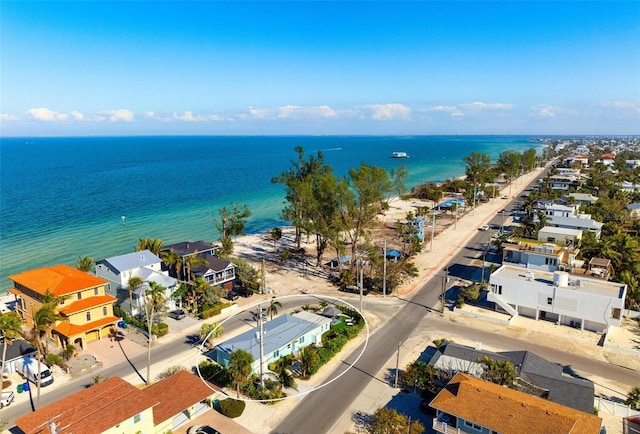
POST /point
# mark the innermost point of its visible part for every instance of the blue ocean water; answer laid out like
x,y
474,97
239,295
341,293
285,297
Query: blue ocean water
x,y
62,198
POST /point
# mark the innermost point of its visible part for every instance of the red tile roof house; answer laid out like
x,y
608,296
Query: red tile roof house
x,y
87,310
470,405
115,406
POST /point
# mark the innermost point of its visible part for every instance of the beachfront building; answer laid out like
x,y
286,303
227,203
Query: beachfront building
x,y
215,272
284,335
535,375
114,406
86,308
471,405
577,301
555,209
563,182
551,234
582,223
545,256
144,265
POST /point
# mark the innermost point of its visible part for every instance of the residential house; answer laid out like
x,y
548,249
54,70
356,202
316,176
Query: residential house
x,y
600,267
555,209
284,335
217,271
16,350
551,234
144,265
632,164
629,187
581,198
576,160
114,406
581,302
86,308
540,256
583,223
535,375
568,171
470,405
563,182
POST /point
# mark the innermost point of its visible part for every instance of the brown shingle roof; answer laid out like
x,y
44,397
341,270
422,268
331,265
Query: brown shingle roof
x,y
89,411
176,393
509,411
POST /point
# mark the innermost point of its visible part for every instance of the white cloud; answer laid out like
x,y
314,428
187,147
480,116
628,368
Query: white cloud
x,y
387,112
475,106
293,112
188,116
547,111
8,118
149,115
48,115
77,115
620,105
120,115
452,110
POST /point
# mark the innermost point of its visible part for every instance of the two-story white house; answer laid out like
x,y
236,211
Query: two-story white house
x,y
536,256
563,182
555,209
587,303
284,335
145,265
582,223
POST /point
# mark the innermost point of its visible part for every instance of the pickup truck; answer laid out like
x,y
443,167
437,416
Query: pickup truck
x,y
7,398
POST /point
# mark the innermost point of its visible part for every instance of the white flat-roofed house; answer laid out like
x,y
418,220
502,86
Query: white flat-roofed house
x,y
582,198
555,209
567,171
143,264
576,160
584,302
629,187
284,335
631,164
563,182
582,223
536,256
551,234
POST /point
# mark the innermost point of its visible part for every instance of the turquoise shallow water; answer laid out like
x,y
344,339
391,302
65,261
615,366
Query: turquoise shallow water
x,y
61,198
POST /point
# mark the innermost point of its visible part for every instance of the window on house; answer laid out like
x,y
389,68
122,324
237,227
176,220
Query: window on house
x,y
104,310
472,425
276,354
88,316
80,296
549,300
137,418
301,339
96,291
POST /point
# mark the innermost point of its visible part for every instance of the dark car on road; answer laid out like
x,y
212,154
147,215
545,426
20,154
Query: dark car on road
x,y
177,314
243,292
232,295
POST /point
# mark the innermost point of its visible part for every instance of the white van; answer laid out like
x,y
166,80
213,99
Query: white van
x,y
28,368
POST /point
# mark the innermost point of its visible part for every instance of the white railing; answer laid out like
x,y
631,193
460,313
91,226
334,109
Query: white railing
x,y
614,408
444,428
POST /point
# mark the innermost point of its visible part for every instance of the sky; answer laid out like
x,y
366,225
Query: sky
x,y
89,68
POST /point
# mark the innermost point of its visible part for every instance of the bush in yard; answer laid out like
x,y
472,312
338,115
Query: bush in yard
x,y
231,407
214,373
160,329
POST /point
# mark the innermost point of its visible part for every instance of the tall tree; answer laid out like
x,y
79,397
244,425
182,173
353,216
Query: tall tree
x,y
190,262
153,245
10,325
477,166
509,163
231,223
240,368
173,261
133,284
154,305
501,372
389,421
85,263
274,305
297,180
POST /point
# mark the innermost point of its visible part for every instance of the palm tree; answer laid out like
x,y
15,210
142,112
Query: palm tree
x,y
276,235
43,319
192,261
194,293
273,307
84,263
133,284
633,398
173,261
239,368
154,304
154,246
10,325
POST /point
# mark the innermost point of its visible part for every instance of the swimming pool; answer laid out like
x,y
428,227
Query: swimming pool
x,y
450,202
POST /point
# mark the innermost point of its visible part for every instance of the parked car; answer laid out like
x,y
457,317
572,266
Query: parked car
x,y
244,292
7,398
202,429
177,314
232,295
483,228
354,289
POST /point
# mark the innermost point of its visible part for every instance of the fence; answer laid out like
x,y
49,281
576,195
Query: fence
x,y
614,408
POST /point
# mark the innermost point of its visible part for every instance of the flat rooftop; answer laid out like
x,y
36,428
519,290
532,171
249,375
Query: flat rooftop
x,y
576,281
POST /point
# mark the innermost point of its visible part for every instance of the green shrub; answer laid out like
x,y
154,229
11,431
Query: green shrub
x,y
160,329
212,311
214,373
231,407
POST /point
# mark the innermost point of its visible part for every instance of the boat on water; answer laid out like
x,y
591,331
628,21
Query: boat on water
x,y
399,155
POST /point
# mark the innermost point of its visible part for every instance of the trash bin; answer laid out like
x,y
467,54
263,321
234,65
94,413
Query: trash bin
x,y
120,323
20,388
124,324
25,386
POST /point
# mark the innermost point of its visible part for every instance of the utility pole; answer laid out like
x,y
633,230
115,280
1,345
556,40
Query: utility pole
x,y
395,382
433,228
384,270
444,291
261,339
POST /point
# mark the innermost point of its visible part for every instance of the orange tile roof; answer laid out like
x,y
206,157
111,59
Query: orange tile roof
x,y
509,411
89,411
172,399
87,303
68,329
59,279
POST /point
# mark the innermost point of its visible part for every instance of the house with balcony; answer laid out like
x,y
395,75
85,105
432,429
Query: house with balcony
x,y
114,406
572,300
284,335
563,182
576,160
583,223
545,256
86,309
471,405
144,265
216,271
556,209
535,375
